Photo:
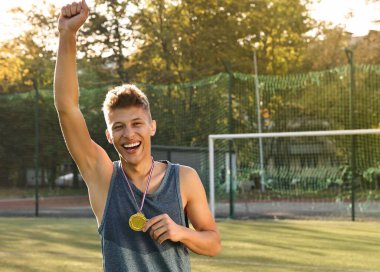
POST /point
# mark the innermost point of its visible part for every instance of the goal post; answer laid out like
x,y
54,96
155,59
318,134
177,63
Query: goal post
x,y
215,137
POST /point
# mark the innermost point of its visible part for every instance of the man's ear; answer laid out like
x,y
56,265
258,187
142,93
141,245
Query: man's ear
x,y
153,128
109,138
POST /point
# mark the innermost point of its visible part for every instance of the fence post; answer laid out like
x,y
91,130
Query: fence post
x,y
36,147
261,148
352,121
227,66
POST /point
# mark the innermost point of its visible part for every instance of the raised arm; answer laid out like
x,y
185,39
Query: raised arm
x,y
93,162
66,93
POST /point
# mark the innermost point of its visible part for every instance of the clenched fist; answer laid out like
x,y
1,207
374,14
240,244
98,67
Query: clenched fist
x,y
72,17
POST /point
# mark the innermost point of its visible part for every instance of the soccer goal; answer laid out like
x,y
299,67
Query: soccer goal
x,y
295,174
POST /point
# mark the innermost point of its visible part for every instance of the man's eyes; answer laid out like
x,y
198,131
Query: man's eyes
x,y
136,124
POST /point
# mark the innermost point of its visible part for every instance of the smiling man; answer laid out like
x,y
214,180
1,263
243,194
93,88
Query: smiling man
x,y
141,205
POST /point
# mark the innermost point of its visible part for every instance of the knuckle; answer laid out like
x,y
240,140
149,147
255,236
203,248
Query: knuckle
x,y
167,218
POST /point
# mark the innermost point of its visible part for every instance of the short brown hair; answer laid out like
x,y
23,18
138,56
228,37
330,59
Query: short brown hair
x,y
124,96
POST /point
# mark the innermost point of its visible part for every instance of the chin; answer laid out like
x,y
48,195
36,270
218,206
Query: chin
x,y
132,158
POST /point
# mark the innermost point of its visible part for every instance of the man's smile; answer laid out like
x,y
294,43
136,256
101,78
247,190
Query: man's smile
x,y
132,146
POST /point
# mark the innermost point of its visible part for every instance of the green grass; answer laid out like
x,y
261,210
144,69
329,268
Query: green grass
x,y
29,244
29,192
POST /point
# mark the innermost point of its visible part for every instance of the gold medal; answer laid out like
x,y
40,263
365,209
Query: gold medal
x,y
137,221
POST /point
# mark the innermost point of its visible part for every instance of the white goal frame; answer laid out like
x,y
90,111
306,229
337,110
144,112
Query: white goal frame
x,y
213,137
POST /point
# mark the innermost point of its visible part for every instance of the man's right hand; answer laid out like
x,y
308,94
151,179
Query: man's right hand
x,y
72,17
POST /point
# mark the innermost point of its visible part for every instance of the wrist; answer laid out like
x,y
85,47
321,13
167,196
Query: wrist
x,y
184,234
66,33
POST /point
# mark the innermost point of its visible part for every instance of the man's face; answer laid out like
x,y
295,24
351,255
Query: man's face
x,y
129,130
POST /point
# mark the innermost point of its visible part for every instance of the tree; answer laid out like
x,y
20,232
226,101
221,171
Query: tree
x,y
164,41
98,50
34,48
106,39
278,31
10,68
187,40
366,49
156,27
326,50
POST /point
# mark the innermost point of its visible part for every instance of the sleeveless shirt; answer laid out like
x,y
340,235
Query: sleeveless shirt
x,y
127,250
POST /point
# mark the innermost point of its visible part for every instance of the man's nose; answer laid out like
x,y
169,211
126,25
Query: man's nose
x,y
128,132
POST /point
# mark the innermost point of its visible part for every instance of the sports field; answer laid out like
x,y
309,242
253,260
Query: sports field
x,y
46,244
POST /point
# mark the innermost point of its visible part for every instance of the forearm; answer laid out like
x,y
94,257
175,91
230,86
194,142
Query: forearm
x,y
65,80
202,242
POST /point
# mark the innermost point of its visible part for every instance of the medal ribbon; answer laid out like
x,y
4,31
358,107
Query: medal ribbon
x,y
146,189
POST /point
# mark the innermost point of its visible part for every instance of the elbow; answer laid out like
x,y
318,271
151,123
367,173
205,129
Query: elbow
x,y
62,111
64,108
65,104
214,251
216,248
60,106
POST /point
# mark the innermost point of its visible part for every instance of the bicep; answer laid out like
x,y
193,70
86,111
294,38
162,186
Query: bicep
x,y
85,152
197,208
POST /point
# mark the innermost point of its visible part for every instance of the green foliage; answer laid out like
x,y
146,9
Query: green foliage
x,y
326,51
187,40
187,113
14,139
170,42
34,48
11,67
107,36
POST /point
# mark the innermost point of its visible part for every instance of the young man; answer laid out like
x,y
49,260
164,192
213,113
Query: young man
x,y
141,205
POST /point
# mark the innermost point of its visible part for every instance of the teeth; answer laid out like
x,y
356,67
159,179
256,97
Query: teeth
x,y
131,145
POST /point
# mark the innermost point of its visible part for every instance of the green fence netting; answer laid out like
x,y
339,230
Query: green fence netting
x,y
315,169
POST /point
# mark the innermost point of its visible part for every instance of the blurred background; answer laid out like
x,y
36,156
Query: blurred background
x,y
208,67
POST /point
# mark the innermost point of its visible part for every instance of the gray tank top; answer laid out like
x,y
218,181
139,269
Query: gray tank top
x,y
127,250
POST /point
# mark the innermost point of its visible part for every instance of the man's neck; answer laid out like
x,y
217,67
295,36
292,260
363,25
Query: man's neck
x,y
137,173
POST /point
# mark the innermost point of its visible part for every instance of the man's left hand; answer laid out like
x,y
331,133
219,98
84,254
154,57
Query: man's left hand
x,y
162,228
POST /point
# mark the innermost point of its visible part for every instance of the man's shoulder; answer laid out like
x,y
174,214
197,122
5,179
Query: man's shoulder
x,y
184,169
188,175
187,170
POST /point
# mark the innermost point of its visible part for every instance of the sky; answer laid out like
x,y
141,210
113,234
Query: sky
x,y
9,28
334,11
337,11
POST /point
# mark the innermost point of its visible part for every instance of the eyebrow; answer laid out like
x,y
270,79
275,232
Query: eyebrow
x,y
116,123
133,120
